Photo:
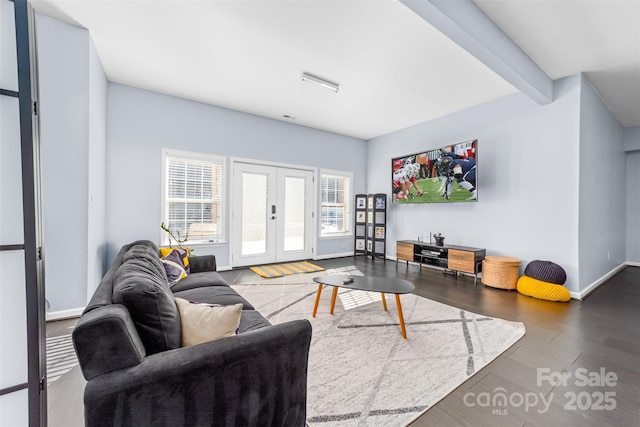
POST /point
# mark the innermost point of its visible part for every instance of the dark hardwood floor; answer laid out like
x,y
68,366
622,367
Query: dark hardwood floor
x,y
580,340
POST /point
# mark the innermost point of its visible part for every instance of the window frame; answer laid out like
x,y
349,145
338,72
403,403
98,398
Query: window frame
x,y
199,157
348,203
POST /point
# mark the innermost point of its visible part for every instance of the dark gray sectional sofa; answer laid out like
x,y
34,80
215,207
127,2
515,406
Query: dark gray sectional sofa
x,y
128,345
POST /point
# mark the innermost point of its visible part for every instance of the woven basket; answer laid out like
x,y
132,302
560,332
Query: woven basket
x,y
500,272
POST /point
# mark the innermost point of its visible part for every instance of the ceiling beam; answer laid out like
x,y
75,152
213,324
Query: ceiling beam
x,y
467,25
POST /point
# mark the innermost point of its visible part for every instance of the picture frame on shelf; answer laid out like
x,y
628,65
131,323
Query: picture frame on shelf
x,y
380,202
379,233
360,216
370,217
361,203
370,245
360,244
380,218
370,203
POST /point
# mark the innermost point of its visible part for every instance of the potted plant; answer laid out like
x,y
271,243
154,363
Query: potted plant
x,y
179,240
183,253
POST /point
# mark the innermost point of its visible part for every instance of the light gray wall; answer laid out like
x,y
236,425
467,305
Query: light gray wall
x,y
602,186
141,123
63,58
96,223
632,138
527,192
632,157
72,87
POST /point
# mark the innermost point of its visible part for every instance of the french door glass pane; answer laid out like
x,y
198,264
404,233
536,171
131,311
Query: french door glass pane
x,y
254,214
294,214
13,320
14,408
8,64
11,222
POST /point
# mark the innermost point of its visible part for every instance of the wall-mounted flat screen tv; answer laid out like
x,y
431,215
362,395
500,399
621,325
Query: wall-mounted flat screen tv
x,y
440,175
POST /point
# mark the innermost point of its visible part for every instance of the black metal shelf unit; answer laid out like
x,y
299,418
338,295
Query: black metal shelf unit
x,y
377,225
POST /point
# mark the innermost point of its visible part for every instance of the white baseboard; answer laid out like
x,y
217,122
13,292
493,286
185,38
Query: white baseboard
x,y
342,255
64,314
576,295
593,286
316,258
633,264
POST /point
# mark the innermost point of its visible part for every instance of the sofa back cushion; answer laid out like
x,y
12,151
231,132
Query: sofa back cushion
x,y
140,284
150,257
103,294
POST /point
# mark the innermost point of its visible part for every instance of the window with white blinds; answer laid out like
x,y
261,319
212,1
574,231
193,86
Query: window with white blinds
x,y
335,207
193,197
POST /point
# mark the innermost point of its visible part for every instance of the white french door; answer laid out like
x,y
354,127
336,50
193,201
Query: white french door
x,y
272,214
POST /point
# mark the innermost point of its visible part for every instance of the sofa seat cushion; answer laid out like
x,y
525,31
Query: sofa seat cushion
x,y
150,304
199,280
221,295
252,320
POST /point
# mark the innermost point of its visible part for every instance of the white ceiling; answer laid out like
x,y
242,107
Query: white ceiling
x,y
600,38
394,68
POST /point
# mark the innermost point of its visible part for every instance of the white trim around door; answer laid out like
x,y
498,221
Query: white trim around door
x,y
272,213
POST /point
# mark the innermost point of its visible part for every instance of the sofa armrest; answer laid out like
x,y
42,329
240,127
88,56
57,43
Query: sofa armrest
x,y
258,378
202,263
105,340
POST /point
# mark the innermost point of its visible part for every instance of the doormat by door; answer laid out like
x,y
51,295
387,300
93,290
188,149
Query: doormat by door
x,y
279,270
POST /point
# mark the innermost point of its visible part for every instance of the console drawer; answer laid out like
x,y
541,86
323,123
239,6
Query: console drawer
x,y
461,261
404,251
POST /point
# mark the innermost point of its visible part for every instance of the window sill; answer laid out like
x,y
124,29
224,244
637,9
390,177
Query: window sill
x,y
335,236
202,244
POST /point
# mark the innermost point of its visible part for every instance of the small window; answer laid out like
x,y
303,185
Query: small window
x,y
335,207
193,197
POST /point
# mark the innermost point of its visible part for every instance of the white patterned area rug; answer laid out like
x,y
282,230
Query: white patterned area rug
x,y
361,371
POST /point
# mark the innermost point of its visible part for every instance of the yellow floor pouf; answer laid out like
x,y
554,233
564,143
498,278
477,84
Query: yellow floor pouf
x,y
542,290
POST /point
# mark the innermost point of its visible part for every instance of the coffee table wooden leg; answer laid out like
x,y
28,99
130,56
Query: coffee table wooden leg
x,y
315,307
401,317
384,301
333,299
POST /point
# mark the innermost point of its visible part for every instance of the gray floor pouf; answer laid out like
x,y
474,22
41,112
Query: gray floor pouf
x,y
546,271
